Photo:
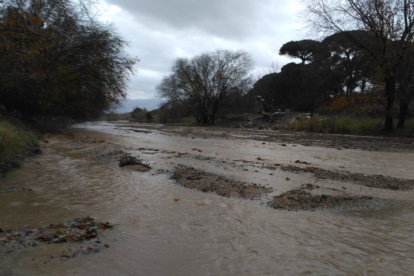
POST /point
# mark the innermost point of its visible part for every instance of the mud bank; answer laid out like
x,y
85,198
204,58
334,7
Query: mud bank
x,y
374,181
206,182
294,200
336,141
85,231
17,142
301,200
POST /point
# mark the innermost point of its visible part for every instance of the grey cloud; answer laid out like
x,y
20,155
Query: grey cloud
x,y
161,31
222,18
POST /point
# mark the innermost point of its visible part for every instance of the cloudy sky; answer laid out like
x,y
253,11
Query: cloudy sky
x,y
159,31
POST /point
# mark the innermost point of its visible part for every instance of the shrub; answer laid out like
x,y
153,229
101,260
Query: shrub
x,y
15,142
148,116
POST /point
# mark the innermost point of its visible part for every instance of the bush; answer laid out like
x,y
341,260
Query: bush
x,y
136,112
148,116
15,142
57,60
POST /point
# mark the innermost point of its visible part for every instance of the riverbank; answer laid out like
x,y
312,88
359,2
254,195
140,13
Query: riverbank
x,y
17,141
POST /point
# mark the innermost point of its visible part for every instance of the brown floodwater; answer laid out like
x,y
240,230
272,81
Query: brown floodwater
x,y
206,234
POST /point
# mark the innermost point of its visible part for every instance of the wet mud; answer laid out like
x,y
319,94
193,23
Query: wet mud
x,y
301,200
206,182
134,163
373,181
286,136
7,189
85,231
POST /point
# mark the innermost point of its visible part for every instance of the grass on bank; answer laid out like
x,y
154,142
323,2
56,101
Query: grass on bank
x,y
187,121
15,141
354,126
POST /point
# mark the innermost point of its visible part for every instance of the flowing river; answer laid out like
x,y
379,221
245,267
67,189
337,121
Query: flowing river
x,y
165,229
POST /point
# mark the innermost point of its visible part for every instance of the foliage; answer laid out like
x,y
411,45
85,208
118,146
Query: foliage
x,y
15,141
351,62
207,83
136,112
186,121
305,49
148,116
390,32
371,103
56,59
304,86
172,111
140,115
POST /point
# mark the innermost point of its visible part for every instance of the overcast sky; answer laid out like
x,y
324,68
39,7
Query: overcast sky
x,y
159,31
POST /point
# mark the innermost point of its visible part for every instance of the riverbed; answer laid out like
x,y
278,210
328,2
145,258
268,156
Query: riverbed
x,y
162,228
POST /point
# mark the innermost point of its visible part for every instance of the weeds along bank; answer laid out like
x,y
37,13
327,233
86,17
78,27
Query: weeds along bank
x,y
17,141
366,126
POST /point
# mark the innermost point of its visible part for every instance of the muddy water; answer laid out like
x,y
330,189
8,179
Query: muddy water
x,y
205,234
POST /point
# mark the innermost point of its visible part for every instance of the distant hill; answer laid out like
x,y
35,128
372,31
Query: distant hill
x,y
128,105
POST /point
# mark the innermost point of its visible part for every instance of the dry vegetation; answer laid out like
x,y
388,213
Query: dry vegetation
x,y
16,141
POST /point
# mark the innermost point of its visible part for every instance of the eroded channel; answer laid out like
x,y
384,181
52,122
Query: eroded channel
x,y
166,229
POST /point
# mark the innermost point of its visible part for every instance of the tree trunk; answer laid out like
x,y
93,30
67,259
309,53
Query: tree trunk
x,y
312,107
390,95
205,119
403,113
212,119
363,84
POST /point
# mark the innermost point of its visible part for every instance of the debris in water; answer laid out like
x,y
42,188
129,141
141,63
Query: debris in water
x,y
129,160
79,230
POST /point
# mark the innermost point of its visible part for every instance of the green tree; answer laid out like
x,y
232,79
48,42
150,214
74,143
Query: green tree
x,y
304,50
306,86
390,25
56,59
349,60
135,114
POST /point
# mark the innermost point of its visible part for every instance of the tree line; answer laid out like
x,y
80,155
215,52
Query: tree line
x,y
364,64
56,59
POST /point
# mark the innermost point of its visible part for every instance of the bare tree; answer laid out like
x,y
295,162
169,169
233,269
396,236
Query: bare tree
x,y
390,28
206,83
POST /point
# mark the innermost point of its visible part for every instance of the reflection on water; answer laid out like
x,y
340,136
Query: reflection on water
x,y
202,234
